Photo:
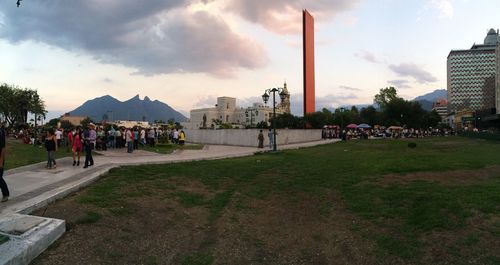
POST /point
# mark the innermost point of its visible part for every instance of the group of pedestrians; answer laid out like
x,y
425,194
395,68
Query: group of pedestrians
x,y
260,138
79,139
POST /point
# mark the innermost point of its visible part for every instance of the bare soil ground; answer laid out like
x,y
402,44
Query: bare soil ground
x,y
159,230
447,177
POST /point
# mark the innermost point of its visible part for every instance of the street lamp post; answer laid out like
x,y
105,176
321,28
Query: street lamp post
x,y
342,109
283,94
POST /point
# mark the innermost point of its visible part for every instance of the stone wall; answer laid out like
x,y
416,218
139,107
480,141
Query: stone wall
x,y
248,137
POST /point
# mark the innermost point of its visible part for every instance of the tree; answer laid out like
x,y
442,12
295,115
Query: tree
x,y
53,123
287,120
66,125
385,96
17,103
85,122
369,115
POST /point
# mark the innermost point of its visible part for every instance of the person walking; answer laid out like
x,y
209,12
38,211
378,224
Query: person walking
x,y
51,146
59,136
136,139
3,152
151,137
182,137
90,141
129,136
176,136
143,137
260,138
77,146
271,138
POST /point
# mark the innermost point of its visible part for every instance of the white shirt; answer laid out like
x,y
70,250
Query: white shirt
x,y
58,134
143,134
176,135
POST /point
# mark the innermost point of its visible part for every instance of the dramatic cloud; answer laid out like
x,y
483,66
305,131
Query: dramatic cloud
x,y
413,70
285,16
368,56
444,7
155,37
399,83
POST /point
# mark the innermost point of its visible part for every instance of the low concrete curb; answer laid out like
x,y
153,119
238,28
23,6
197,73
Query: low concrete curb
x,y
28,236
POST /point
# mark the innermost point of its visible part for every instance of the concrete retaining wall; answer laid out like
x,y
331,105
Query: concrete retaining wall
x,y
248,137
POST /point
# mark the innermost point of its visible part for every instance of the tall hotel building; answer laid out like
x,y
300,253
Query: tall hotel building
x,y
472,76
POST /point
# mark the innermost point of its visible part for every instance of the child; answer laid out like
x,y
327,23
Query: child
x,y
77,146
51,146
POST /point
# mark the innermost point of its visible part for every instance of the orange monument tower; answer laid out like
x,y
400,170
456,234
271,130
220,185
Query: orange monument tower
x,y
308,52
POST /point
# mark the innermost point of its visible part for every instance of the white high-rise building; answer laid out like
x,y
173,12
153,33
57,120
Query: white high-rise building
x,y
472,76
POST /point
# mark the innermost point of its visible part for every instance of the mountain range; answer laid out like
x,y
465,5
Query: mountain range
x,y
108,107
428,99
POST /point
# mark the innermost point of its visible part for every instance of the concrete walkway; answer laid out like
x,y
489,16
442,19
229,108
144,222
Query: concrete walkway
x,y
33,186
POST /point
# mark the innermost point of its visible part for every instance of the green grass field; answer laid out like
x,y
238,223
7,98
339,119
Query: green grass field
x,y
361,202
19,154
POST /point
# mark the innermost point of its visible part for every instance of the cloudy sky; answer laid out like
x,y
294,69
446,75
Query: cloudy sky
x,y
188,52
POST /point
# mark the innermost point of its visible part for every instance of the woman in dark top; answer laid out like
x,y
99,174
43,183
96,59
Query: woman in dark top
x,y
51,146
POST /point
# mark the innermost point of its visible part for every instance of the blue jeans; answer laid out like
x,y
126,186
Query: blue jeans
x,y
130,147
89,160
51,158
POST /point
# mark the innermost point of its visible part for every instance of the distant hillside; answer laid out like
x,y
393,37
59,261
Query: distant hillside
x,y
433,96
428,99
132,109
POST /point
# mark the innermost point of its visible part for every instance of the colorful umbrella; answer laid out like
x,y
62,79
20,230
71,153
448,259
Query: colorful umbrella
x,y
364,126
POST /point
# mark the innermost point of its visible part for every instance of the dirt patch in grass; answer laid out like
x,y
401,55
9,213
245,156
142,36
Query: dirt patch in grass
x,y
280,230
465,246
445,177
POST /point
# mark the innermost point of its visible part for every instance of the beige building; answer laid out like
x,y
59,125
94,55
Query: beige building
x,y
74,120
441,107
132,124
226,111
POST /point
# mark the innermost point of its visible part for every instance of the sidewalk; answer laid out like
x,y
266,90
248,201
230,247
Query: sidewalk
x,y
33,186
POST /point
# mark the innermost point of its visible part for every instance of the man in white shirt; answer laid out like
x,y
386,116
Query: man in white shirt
x,y
176,136
58,134
143,136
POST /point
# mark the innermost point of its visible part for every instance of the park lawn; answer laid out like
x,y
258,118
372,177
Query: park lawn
x,y
169,148
357,202
20,154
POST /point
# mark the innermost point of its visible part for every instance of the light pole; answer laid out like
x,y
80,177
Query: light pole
x,y
283,94
342,118
251,111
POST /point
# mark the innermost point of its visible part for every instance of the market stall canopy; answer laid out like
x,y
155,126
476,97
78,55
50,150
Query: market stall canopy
x,y
352,126
364,126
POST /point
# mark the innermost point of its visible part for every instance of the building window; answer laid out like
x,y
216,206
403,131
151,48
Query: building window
x,y
227,118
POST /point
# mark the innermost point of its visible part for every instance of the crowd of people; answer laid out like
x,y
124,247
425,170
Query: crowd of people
x,y
82,141
381,132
